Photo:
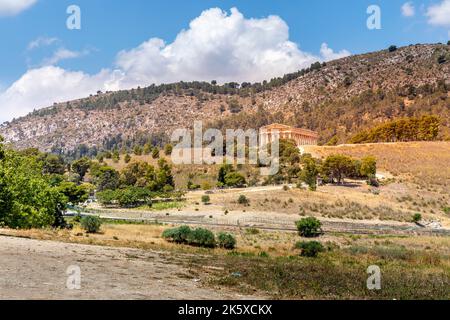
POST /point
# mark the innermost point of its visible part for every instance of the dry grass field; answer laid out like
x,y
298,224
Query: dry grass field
x,y
417,180
426,164
266,264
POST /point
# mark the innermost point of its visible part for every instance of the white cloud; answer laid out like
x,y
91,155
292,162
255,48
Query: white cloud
x,y
328,53
13,7
63,54
220,46
216,46
408,10
41,42
439,14
44,86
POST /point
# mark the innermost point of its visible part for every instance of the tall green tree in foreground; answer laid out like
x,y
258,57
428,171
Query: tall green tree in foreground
x,y
27,199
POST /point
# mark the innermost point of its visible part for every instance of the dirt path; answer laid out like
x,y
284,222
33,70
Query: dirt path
x,y
32,269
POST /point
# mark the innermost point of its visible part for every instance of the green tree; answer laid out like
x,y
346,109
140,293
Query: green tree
x,y
106,178
155,153
27,199
368,167
75,194
147,148
127,158
137,150
168,148
309,227
164,175
337,167
309,173
392,48
81,166
115,156
53,164
235,179
223,171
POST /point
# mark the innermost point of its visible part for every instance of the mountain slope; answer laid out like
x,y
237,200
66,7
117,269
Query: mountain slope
x,y
337,99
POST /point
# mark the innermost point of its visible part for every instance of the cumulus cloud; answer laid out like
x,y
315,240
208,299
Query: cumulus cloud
x,y
13,7
216,46
220,46
328,53
46,85
408,10
439,14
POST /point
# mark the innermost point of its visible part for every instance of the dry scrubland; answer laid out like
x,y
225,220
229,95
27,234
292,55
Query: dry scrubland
x,y
265,264
417,181
426,164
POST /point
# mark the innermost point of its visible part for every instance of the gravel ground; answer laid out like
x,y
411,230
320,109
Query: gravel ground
x,y
32,269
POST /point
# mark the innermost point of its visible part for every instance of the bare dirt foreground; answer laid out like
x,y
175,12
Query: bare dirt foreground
x,y
33,269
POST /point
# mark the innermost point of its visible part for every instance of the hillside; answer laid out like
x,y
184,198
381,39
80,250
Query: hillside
x,y
338,98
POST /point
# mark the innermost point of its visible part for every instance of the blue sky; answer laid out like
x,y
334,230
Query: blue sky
x,y
92,54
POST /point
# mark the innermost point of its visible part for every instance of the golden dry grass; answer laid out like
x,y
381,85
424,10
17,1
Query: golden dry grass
x,y
424,163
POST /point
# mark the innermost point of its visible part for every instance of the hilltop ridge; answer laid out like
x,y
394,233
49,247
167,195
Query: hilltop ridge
x,y
337,98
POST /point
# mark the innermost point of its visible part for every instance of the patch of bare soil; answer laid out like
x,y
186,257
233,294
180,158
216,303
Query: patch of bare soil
x,y
33,269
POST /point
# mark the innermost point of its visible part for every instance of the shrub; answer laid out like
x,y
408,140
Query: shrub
x,y
417,217
446,210
392,48
177,235
206,199
310,249
243,200
252,231
226,241
309,227
91,224
202,238
235,179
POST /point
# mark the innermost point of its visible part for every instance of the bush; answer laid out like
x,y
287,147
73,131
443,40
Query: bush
x,y
417,217
310,249
392,48
235,179
243,200
196,237
177,235
206,199
309,227
226,241
91,224
202,238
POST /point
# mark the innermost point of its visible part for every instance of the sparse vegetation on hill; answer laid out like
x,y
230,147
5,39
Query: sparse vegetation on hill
x,y
337,99
425,128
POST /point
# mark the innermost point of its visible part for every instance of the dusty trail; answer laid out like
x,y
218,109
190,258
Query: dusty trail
x,y
33,269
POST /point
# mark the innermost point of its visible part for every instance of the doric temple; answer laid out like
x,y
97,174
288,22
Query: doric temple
x,y
302,137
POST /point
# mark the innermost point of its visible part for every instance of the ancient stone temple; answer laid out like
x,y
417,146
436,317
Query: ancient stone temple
x,y
302,137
